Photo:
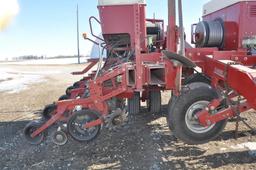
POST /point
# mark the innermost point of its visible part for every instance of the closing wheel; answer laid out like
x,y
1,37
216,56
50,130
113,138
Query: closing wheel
x,y
64,97
182,116
154,101
32,127
77,122
59,138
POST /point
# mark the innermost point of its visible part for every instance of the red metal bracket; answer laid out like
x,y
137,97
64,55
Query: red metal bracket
x,y
87,68
206,118
50,122
93,123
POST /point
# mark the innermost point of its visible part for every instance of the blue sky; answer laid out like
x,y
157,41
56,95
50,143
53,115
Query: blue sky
x,y
48,27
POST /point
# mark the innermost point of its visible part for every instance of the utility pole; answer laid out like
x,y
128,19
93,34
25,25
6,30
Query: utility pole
x,y
77,20
181,29
171,43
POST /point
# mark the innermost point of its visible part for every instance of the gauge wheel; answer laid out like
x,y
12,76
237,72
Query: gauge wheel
x,y
68,90
48,111
76,124
76,84
64,97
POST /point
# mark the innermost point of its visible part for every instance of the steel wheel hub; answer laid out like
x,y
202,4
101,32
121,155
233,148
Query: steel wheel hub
x,y
191,120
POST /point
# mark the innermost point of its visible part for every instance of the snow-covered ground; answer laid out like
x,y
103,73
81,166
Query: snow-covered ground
x,y
55,61
13,82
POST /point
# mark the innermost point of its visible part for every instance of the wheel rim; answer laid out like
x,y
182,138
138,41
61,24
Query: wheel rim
x,y
191,120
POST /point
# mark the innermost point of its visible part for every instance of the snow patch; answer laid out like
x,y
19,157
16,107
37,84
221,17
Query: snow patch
x,y
55,61
15,82
19,84
248,145
4,75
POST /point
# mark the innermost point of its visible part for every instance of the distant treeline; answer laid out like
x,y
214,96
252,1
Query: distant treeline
x,y
62,56
29,57
33,57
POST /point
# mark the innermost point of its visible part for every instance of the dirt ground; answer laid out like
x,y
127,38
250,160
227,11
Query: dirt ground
x,y
146,144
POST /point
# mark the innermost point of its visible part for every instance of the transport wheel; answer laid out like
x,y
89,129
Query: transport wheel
x,y
154,101
48,110
64,97
134,104
59,138
32,127
196,82
182,120
76,125
197,78
69,89
171,106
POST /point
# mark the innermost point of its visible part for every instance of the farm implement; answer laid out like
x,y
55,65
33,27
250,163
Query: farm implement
x,y
210,84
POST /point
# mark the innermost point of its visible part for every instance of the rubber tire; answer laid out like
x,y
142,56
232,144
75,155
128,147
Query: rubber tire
x,y
76,85
64,97
154,102
176,117
38,139
134,104
196,78
46,114
92,113
173,100
171,106
69,89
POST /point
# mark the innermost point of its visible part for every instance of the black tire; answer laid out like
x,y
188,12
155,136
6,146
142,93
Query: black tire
x,y
196,78
154,101
177,117
80,134
63,97
173,100
171,106
69,89
134,104
47,112
32,127
76,85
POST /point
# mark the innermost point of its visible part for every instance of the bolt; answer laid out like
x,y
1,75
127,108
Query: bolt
x,y
212,108
208,122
